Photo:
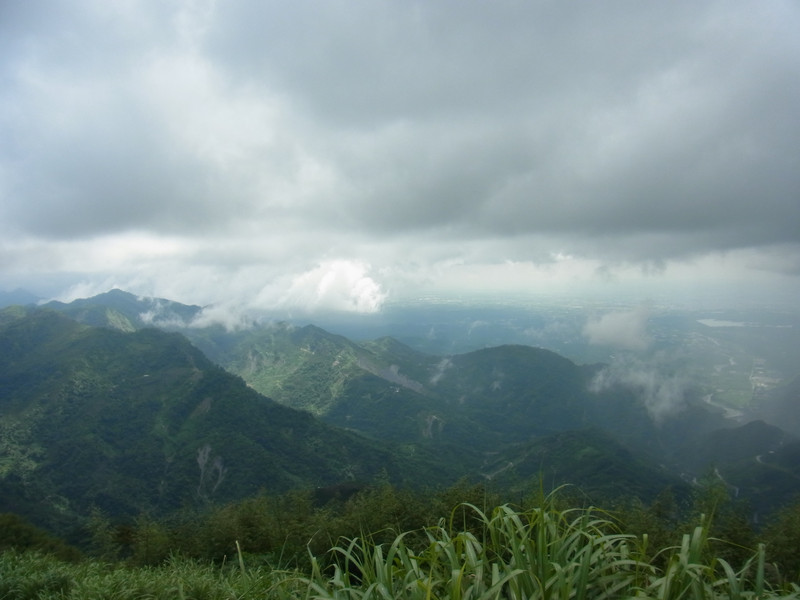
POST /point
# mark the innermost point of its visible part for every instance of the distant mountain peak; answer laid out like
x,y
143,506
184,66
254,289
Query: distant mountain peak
x,y
118,309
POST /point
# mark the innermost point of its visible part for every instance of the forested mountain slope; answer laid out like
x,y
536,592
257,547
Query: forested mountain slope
x,y
143,421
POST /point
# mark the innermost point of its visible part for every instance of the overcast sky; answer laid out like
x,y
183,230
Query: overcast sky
x,y
345,154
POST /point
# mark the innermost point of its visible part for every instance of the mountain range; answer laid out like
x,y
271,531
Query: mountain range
x,y
129,405
142,421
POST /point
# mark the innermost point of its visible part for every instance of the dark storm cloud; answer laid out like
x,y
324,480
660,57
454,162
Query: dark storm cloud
x,y
531,118
447,132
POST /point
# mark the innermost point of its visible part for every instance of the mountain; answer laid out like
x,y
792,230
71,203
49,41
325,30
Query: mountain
x,y
759,462
470,404
463,405
729,446
142,421
121,310
782,405
510,405
480,411
592,461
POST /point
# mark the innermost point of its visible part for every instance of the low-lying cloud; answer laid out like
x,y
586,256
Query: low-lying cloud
x,y
233,317
626,330
441,367
334,286
340,285
663,394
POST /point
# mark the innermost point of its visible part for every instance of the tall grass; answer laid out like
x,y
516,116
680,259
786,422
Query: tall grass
x,y
542,553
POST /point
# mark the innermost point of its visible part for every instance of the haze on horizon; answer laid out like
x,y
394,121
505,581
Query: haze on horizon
x,y
341,155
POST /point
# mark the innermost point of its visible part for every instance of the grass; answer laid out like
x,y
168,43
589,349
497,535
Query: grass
x,y
36,576
543,553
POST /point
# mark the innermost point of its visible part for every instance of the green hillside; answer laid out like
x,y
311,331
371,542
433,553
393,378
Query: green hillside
x,y
144,422
597,465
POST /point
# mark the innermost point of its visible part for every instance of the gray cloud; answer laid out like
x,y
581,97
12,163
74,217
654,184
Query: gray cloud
x,y
400,138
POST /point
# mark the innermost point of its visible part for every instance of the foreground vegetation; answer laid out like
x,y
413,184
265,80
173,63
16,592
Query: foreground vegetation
x,y
545,551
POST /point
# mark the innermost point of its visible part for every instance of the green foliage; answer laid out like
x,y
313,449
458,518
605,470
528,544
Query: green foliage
x,y
18,534
151,542
657,524
33,576
384,511
272,530
782,537
589,459
541,551
104,542
731,536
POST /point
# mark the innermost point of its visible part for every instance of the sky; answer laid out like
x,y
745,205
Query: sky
x,y
344,155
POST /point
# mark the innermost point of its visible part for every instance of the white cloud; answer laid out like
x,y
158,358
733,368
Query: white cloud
x,y
338,285
232,317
